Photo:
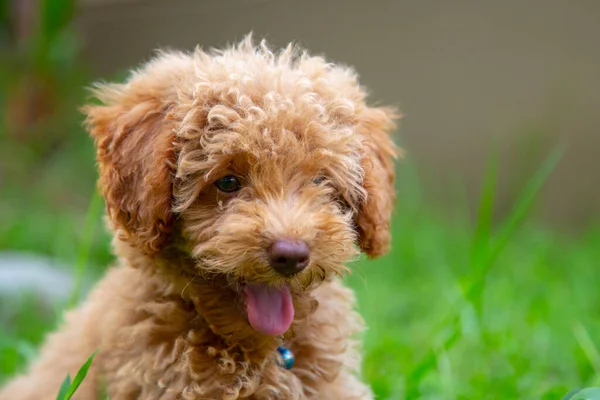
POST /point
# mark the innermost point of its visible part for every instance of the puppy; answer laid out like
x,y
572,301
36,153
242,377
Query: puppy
x,y
238,184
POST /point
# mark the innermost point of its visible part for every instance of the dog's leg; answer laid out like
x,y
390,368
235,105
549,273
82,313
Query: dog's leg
x,y
327,353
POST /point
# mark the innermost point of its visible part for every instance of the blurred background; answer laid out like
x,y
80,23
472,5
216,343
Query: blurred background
x,y
491,289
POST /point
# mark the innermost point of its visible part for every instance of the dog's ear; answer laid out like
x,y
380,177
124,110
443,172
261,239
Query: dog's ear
x,y
135,152
374,213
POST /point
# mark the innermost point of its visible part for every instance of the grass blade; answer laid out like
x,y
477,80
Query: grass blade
x,y
480,243
89,227
526,200
481,238
514,220
586,394
64,388
80,376
587,345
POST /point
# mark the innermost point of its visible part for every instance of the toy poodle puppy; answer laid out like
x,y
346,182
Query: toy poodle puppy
x,y
238,184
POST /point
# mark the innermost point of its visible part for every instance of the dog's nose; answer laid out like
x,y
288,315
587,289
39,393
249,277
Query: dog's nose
x,y
289,257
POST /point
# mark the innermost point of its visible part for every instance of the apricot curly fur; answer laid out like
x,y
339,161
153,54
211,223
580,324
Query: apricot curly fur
x,y
169,317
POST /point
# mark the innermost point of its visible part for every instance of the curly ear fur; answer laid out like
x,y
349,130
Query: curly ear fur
x,y
374,215
135,153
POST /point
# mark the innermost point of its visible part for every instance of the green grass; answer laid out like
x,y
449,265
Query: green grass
x,y
464,311
482,308
68,387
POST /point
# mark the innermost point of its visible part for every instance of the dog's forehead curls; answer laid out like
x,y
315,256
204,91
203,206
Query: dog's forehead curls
x,y
267,169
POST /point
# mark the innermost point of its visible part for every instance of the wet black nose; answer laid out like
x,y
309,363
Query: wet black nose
x,y
289,257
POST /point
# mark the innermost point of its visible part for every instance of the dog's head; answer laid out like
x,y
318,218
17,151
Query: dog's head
x,y
273,168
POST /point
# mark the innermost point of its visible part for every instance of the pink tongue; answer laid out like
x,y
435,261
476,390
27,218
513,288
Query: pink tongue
x,y
270,310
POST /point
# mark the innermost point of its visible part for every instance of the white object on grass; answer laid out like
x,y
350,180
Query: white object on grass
x,y
23,273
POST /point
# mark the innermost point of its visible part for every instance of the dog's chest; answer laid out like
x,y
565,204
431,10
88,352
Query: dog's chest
x,y
270,379
205,373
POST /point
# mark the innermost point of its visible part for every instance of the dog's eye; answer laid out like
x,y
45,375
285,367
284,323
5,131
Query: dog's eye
x,y
228,184
317,180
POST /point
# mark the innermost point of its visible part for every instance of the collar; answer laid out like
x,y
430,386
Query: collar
x,y
286,357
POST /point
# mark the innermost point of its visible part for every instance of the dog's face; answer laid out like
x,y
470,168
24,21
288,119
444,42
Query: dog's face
x,y
273,167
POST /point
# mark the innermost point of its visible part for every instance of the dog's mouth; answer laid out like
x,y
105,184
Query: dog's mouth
x,y
270,309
